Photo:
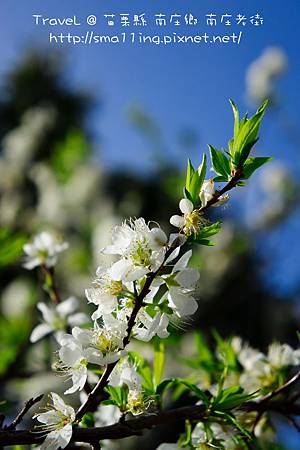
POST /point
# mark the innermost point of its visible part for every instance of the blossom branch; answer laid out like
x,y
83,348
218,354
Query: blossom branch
x,y
135,426
95,396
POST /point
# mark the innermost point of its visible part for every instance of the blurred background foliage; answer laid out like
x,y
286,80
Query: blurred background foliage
x,y
51,179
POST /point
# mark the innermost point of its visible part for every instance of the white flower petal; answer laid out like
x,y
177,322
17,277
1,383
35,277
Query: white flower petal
x,y
57,439
78,319
119,269
79,376
183,261
177,221
67,306
158,238
40,331
187,278
70,354
47,313
186,206
183,305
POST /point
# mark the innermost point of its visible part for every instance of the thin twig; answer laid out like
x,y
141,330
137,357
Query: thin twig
x,y
52,289
28,404
293,423
282,388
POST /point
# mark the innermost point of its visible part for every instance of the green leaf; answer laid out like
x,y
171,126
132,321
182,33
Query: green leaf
x,y
144,370
252,164
232,420
11,246
14,332
220,179
189,175
158,361
204,352
88,420
206,232
118,395
236,119
220,162
172,382
248,135
197,181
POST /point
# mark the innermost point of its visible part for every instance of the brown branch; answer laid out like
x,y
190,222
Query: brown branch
x,y
135,426
119,430
24,410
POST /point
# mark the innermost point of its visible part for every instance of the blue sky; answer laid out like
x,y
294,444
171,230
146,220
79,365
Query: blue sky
x,y
180,86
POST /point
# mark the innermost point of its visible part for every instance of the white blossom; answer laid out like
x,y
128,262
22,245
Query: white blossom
x,y
207,193
105,293
181,284
147,327
74,359
282,355
58,424
191,220
106,341
125,373
56,319
43,250
140,248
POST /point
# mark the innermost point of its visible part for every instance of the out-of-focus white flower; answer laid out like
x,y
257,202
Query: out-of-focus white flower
x,y
219,434
282,355
106,415
57,422
16,297
141,250
275,177
252,360
43,250
20,144
57,318
105,293
262,73
207,192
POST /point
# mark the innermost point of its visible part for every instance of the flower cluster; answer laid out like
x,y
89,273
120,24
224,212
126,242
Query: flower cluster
x,y
146,285
141,252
